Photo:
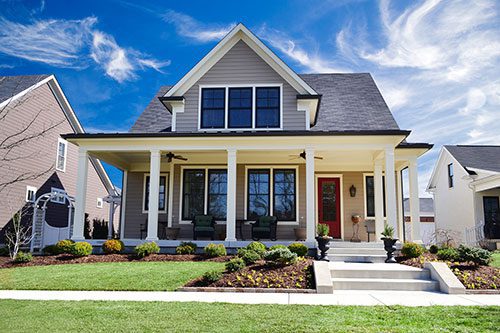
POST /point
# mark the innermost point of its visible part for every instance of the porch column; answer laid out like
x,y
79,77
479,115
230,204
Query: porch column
x,y
170,206
154,189
81,194
111,218
379,198
414,200
231,196
310,196
123,203
399,195
390,189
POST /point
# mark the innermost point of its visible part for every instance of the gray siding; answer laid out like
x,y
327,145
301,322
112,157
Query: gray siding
x,y
240,65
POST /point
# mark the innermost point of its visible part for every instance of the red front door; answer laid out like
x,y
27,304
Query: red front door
x,y
329,204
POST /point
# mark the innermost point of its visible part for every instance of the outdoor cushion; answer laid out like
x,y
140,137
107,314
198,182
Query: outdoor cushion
x,y
203,220
203,228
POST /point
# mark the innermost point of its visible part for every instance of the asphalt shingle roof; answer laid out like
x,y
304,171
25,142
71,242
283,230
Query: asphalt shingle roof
x,y
477,157
426,205
155,118
13,85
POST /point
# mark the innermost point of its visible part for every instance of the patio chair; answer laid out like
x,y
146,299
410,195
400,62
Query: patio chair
x,y
265,227
370,228
203,226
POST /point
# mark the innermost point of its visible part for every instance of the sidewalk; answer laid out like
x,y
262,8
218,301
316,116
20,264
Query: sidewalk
x,y
341,297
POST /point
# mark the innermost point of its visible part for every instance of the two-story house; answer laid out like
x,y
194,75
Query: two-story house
x,y
241,135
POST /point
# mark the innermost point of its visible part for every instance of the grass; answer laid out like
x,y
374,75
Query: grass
x,y
156,276
495,259
64,316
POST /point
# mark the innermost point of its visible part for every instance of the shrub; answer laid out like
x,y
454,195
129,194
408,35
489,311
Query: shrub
x,y
186,248
81,249
280,257
277,246
474,254
299,249
257,247
23,257
323,230
51,250
447,253
113,246
100,229
388,231
145,249
248,256
412,250
212,276
434,249
65,245
4,251
215,250
235,265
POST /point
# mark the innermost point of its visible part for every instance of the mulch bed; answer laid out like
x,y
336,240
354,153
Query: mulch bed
x,y
472,277
60,259
260,275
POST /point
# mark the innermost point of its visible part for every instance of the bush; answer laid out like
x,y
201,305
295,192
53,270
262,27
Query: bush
x,y
473,254
235,265
280,257
186,248
257,247
277,246
145,249
4,251
412,250
434,249
215,250
299,249
113,246
23,257
447,253
81,249
51,250
212,276
65,245
248,256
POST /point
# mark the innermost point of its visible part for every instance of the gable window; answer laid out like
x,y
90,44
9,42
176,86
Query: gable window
x,y
213,103
30,194
450,175
59,197
240,108
370,195
162,194
100,203
267,111
62,149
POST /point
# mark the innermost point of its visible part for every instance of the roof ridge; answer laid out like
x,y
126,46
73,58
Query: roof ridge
x,y
478,146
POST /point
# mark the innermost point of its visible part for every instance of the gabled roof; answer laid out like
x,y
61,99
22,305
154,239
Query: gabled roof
x,y
476,157
155,118
11,86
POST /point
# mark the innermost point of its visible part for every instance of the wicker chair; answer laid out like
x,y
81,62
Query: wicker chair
x,y
265,227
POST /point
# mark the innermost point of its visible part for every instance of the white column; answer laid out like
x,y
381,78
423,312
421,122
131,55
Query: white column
x,y
399,196
310,196
414,200
390,189
111,218
154,189
81,194
170,206
123,203
379,199
231,196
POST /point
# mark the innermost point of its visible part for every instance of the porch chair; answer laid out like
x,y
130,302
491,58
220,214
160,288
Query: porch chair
x,y
265,227
203,226
370,228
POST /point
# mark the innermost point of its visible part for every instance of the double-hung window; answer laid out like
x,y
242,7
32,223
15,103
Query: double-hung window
x,y
284,198
193,193
59,195
259,193
370,195
62,149
217,193
213,105
30,193
162,194
267,110
240,108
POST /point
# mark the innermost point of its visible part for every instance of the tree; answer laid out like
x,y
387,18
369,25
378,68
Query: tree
x,y
18,235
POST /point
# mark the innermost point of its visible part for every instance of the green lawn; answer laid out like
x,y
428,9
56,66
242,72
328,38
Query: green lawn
x,y
106,276
495,259
61,316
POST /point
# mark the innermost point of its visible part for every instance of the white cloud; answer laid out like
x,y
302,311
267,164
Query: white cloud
x,y
188,27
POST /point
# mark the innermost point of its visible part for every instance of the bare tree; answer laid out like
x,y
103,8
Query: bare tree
x,y
18,235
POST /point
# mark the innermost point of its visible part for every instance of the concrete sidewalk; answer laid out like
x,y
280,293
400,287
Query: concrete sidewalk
x,y
341,297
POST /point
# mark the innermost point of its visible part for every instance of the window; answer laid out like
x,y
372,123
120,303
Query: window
x,y
100,203
284,195
162,194
267,111
193,193
370,195
258,193
213,107
59,195
450,175
62,147
217,193
31,194
240,108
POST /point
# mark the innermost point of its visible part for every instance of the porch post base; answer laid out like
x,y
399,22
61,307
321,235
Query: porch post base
x,y
151,239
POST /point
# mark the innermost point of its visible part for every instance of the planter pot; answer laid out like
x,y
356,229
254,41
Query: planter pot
x,y
323,247
300,233
390,247
172,233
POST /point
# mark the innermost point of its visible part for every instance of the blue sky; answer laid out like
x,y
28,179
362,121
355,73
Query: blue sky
x,y
436,62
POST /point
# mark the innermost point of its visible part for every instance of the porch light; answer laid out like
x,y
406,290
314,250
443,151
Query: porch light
x,y
352,191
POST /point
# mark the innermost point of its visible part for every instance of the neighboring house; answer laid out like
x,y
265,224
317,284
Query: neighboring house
x,y
241,135
35,160
427,226
465,183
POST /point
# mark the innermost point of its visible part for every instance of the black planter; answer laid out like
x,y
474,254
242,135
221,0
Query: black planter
x,y
390,247
323,247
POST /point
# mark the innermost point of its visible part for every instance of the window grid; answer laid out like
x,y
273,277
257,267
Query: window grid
x,y
213,105
284,194
240,105
162,194
217,193
370,195
193,186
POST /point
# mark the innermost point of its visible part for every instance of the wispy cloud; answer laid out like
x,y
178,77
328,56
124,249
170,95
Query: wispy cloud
x,y
67,43
189,27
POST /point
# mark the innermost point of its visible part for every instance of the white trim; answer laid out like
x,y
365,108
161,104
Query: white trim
x,y
365,193
170,194
317,176
226,107
25,91
99,203
123,203
271,168
65,143
60,194
30,189
163,174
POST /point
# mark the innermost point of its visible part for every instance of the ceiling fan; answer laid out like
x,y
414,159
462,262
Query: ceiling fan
x,y
303,156
170,156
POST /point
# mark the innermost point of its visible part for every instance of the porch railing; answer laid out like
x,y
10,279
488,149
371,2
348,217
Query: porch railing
x,y
475,235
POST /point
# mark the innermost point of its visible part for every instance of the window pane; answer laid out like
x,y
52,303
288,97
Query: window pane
x,y
370,195
268,107
162,194
284,195
240,108
258,193
193,193
217,193
212,107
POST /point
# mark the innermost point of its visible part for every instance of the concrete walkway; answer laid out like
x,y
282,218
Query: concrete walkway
x,y
341,297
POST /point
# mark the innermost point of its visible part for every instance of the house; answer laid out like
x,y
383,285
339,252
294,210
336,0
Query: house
x,y
427,227
241,135
36,162
465,183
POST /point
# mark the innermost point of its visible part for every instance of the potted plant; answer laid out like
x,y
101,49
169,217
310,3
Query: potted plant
x,y
389,243
323,240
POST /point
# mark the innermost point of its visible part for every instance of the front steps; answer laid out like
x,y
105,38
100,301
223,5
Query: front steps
x,y
356,252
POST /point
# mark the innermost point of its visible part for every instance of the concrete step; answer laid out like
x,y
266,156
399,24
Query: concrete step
x,y
377,271
384,284
356,251
356,258
343,244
